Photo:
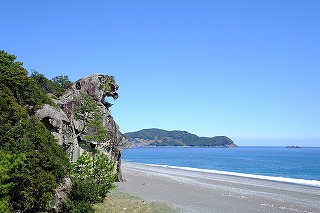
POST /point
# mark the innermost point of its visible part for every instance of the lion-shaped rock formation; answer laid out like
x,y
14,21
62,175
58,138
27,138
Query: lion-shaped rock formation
x,y
67,123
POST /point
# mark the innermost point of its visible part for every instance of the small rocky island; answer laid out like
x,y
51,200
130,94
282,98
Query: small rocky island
x,y
159,137
293,147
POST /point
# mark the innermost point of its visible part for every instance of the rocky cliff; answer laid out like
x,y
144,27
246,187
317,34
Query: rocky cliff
x,y
83,104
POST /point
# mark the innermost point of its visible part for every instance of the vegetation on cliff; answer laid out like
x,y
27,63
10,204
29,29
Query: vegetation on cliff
x,y
87,111
55,86
32,164
159,137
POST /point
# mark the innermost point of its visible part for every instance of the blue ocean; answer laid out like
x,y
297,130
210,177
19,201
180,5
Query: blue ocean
x,y
294,165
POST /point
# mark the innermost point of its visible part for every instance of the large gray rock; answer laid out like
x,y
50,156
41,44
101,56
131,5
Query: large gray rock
x,y
61,121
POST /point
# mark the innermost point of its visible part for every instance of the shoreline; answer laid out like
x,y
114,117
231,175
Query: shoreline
x,y
194,191
305,182
183,146
298,181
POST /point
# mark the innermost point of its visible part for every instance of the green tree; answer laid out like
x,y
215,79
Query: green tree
x,y
92,178
45,165
10,111
8,163
32,164
60,84
86,106
56,85
15,78
45,84
95,131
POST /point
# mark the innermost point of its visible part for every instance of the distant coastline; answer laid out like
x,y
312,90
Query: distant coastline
x,y
176,138
184,146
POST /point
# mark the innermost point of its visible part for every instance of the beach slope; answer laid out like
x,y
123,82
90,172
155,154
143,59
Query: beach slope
x,y
192,191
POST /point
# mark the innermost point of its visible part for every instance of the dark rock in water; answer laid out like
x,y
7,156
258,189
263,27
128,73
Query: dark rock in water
x,y
293,147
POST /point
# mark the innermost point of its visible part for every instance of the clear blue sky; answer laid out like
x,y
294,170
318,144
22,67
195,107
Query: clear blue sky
x,y
246,69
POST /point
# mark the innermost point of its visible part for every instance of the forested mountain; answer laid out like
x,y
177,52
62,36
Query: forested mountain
x,y
159,137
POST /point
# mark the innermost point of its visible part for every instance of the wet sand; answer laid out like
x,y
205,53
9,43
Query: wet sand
x,y
201,192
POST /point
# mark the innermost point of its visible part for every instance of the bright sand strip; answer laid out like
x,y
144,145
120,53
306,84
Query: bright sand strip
x,y
201,192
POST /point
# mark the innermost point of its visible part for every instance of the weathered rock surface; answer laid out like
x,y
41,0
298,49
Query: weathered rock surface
x,y
69,130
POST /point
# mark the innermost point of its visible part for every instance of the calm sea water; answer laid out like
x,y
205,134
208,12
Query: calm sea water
x,y
275,163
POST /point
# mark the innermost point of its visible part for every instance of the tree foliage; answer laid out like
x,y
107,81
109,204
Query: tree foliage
x,y
94,173
44,166
8,164
14,78
32,164
56,85
10,111
60,84
109,85
86,107
92,178
87,110
95,131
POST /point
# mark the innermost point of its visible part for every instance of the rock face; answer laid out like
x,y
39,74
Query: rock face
x,y
64,122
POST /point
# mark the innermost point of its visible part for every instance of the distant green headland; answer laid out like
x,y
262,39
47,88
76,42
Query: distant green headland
x,y
159,137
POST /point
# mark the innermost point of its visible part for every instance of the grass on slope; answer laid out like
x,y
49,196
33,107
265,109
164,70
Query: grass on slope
x,y
119,202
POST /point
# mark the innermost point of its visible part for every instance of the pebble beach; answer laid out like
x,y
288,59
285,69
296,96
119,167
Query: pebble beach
x,y
191,192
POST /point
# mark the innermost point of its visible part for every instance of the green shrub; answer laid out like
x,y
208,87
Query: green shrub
x,y
43,168
92,178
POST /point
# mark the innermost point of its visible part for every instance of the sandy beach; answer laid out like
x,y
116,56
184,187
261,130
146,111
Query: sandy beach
x,y
192,191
